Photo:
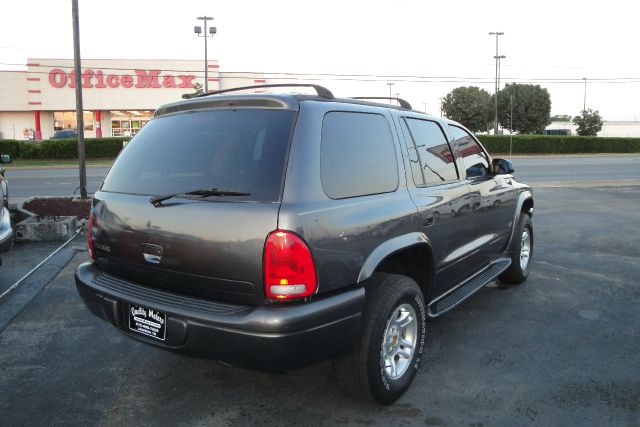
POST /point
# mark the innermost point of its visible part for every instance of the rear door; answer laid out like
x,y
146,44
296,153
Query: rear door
x,y
441,196
493,199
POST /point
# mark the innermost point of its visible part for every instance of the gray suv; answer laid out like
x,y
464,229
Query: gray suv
x,y
273,231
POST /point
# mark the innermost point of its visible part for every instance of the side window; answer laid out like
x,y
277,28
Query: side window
x,y
357,155
414,159
474,158
435,155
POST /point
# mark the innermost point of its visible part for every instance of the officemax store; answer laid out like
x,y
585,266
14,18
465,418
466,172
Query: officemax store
x,y
119,96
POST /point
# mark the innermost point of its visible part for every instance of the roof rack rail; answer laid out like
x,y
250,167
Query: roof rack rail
x,y
320,90
402,102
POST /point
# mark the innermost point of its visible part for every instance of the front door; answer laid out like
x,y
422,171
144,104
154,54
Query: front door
x,y
442,198
493,199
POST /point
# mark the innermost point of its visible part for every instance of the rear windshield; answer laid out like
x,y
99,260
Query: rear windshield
x,y
239,150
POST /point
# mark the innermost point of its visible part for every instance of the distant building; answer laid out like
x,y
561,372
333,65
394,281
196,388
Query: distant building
x,y
119,95
609,128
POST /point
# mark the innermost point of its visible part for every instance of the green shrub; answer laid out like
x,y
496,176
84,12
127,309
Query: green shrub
x,y
558,144
95,148
10,146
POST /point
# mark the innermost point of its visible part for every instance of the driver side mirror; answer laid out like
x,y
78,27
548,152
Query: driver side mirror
x,y
5,158
501,167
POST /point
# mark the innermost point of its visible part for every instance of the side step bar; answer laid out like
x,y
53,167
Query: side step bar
x,y
467,288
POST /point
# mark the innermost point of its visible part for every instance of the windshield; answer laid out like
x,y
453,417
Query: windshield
x,y
236,150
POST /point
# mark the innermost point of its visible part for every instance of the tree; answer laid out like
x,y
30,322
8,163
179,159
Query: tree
x,y
531,108
589,123
561,118
198,90
469,106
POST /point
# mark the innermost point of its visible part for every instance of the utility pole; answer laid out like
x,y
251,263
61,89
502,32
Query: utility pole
x,y
390,84
441,101
79,109
495,124
511,126
584,100
212,31
425,106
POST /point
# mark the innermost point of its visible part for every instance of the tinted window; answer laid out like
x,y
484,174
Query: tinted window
x,y
357,155
474,158
241,150
414,159
436,158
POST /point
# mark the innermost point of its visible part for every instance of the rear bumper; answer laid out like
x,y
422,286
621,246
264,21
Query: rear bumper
x,y
277,337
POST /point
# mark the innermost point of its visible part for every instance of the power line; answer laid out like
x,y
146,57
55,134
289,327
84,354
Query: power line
x,y
348,77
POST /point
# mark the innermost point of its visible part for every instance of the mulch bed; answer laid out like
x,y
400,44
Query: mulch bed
x,y
59,206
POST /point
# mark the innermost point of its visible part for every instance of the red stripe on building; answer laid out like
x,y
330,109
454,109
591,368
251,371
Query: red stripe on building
x,y
260,91
214,80
34,91
212,90
260,81
33,79
33,65
35,103
214,66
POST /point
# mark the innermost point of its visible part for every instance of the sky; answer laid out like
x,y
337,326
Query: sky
x,y
440,45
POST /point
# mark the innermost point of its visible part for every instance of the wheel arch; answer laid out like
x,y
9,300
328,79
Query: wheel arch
x,y
523,206
410,255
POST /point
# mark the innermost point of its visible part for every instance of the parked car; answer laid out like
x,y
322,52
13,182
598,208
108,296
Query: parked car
x,y
6,231
65,134
273,231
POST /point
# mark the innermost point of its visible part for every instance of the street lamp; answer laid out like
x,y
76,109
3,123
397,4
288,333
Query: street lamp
x,y
198,30
390,84
497,57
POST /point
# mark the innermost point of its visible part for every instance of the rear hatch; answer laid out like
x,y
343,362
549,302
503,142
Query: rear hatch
x,y
208,244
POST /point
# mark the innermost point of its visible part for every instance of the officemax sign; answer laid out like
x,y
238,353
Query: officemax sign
x,y
141,79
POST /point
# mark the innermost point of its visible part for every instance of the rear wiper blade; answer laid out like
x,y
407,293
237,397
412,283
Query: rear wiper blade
x,y
204,192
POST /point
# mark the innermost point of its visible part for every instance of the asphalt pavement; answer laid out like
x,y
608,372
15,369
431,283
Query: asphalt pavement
x,y
542,170
561,349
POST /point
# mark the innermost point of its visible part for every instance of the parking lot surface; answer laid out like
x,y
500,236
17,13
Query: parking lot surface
x,y
561,349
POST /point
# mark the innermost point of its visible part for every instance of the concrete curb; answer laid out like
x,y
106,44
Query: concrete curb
x,y
34,228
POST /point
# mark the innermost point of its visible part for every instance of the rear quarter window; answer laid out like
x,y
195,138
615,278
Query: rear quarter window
x,y
357,155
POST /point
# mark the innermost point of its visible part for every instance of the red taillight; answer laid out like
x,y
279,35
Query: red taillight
x,y
289,271
90,225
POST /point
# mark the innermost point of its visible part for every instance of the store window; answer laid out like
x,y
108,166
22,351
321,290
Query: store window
x,y
63,120
129,123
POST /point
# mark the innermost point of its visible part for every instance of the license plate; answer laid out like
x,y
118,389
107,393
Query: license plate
x,y
148,321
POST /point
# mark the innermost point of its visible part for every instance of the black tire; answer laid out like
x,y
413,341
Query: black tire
x,y
363,374
516,274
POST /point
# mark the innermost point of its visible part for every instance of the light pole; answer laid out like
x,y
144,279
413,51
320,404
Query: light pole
x,y
495,124
212,31
390,84
584,100
425,106
499,58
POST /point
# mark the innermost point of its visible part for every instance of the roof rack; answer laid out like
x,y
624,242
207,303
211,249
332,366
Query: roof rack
x,y
402,102
320,90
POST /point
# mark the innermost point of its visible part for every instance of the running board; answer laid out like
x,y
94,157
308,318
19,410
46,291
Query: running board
x,y
467,288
